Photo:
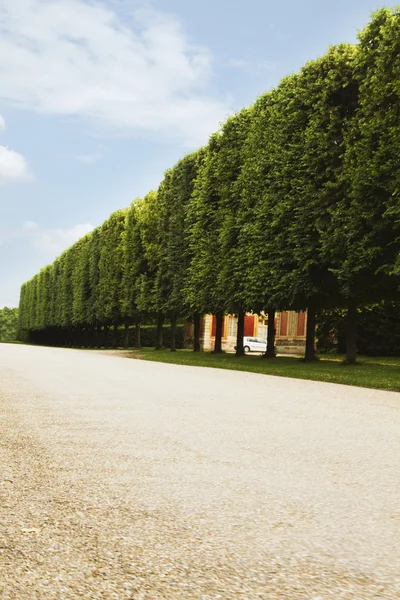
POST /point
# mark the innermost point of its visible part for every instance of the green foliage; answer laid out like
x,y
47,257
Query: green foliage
x,y
147,294
109,287
134,264
378,330
214,273
94,276
203,285
81,282
290,180
365,232
8,324
232,213
331,331
148,336
173,198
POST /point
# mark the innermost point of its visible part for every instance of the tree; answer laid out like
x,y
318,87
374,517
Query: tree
x,y
293,161
8,324
173,197
228,164
109,286
259,208
203,289
81,289
134,269
364,238
329,90
148,298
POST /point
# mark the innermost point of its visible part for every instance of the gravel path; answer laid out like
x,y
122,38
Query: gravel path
x,y
125,479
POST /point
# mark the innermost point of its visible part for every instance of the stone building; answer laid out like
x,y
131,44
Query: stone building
x,y
290,329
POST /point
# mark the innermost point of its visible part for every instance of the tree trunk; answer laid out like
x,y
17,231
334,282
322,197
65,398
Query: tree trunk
x,y
160,323
173,333
105,336
98,336
240,334
218,333
270,351
115,336
310,331
196,333
137,335
351,332
126,336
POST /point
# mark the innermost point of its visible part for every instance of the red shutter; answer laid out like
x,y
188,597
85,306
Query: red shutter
x,y
248,325
284,324
301,323
214,326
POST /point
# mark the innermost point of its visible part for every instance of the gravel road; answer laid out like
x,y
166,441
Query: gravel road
x,y
125,479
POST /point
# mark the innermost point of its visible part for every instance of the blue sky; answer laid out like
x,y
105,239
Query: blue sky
x,y
98,98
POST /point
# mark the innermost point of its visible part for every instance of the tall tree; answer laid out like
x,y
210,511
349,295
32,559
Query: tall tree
x,y
81,290
109,287
203,286
173,197
134,269
364,239
228,166
293,160
148,298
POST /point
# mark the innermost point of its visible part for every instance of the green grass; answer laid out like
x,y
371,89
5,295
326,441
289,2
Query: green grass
x,y
378,373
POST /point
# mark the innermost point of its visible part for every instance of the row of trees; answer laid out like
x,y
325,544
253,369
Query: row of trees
x,y
293,204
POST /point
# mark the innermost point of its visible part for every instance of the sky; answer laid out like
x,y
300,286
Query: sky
x,y
99,97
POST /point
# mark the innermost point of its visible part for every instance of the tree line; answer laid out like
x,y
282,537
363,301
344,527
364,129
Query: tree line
x,y
293,204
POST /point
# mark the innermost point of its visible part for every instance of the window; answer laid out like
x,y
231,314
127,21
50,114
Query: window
x,y
284,324
263,331
232,327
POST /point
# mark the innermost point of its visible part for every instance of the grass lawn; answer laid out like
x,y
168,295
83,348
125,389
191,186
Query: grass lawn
x,y
379,373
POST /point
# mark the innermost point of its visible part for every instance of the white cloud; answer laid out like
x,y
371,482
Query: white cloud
x,y
47,242
13,166
51,242
132,73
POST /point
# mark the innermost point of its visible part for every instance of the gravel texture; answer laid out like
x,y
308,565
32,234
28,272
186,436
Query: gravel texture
x,y
127,479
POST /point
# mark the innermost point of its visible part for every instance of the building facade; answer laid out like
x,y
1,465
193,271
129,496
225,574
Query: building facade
x,y
290,329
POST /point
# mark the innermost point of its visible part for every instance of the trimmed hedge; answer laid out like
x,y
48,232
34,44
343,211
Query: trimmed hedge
x,y
148,336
